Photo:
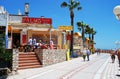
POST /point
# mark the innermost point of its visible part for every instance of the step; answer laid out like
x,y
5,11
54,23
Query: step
x,y
27,61
27,58
26,54
28,64
28,67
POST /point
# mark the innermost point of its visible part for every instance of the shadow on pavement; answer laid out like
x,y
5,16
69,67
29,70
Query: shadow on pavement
x,y
118,75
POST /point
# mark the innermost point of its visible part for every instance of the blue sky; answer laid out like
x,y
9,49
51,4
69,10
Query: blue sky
x,y
97,13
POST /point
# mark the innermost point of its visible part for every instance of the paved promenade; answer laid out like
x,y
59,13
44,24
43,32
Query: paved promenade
x,y
99,67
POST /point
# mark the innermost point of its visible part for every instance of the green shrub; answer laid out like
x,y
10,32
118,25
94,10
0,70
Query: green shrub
x,y
5,60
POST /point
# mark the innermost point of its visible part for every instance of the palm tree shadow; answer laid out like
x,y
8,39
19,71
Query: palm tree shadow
x,y
118,75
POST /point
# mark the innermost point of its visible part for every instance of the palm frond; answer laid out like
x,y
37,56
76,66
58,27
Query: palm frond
x,y
78,23
79,8
76,4
94,32
79,28
64,4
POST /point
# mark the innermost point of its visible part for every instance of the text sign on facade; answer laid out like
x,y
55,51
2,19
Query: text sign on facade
x,y
65,27
37,20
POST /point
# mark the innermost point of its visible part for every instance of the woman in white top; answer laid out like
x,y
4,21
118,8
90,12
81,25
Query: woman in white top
x,y
30,41
84,53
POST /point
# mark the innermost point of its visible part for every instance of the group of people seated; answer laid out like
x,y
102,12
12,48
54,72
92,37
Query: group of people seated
x,y
32,45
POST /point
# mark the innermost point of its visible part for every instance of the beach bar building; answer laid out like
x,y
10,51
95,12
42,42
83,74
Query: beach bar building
x,y
22,27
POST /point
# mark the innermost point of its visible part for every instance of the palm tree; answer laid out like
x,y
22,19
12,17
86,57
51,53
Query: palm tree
x,y
82,27
71,5
93,33
88,31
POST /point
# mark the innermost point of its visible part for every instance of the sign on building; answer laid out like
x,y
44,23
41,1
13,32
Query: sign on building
x,y
65,27
36,20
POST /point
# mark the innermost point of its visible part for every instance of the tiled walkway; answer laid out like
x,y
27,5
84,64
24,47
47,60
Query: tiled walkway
x,y
109,71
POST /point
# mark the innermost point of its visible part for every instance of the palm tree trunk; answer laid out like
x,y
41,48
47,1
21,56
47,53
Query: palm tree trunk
x,y
89,36
92,37
72,18
72,31
89,40
83,37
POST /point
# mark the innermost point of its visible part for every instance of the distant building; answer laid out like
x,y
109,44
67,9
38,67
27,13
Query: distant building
x,y
78,43
3,27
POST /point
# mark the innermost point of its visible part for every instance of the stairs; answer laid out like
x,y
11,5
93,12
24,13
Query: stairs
x,y
28,60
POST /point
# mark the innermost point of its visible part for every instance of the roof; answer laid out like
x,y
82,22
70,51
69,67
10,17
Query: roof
x,y
77,34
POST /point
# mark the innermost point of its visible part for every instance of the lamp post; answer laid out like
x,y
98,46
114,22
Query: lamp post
x,y
26,9
116,11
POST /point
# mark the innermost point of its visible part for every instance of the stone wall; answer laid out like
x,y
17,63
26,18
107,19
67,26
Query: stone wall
x,y
48,56
15,60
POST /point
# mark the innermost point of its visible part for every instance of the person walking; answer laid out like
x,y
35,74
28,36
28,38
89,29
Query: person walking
x,y
112,54
98,51
88,54
118,55
84,53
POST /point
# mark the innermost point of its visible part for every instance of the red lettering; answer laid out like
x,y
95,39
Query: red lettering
x,y
37,20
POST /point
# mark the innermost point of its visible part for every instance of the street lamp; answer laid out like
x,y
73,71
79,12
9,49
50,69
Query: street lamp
x,y
26,9
116,11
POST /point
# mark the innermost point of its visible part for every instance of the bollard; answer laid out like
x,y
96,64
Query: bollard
x,y
68,54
